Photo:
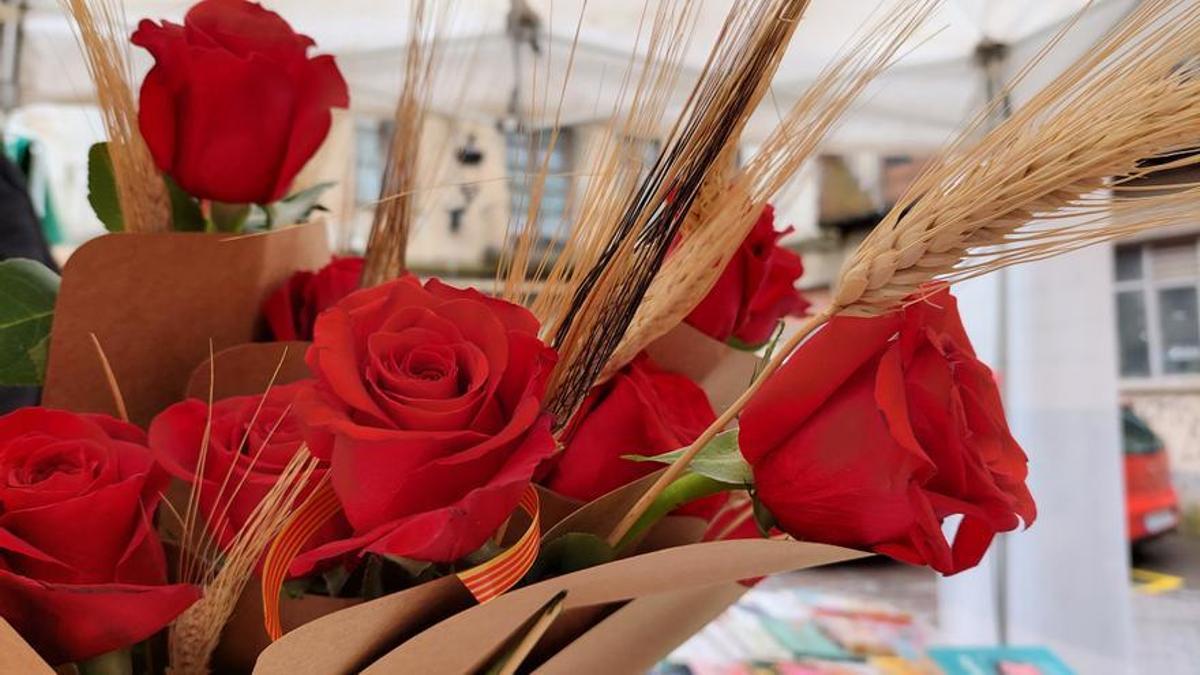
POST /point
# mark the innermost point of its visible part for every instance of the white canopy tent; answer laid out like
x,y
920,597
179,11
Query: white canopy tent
x,y
916,106
1047,326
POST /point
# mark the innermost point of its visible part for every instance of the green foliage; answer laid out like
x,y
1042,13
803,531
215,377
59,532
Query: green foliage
x,y
686,489
106,202
228,217
763,518
28,290
720,460
296,207
102,188
185,211
571,552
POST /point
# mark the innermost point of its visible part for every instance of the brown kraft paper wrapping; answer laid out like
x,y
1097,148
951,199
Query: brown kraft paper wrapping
x,y
16,656
640,634
246,370
154,301
460,644
721,371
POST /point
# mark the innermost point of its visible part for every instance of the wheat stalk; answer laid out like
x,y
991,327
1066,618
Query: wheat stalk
x,y
100,30
1135,96
1030,188
719,223
395,212
605,299
617,168
194,634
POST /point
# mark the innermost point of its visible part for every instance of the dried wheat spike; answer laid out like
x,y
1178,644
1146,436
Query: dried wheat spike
x,y
100,30
607,295
1039,184
718,224
387,242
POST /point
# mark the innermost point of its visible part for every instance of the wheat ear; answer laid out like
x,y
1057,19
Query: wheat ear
x,y
100,29
729,207
387,243
194,634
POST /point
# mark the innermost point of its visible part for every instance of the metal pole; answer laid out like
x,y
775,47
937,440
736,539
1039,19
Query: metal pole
x,y
992,58
12,13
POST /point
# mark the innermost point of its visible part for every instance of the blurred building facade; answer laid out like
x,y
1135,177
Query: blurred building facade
x,y
1157,285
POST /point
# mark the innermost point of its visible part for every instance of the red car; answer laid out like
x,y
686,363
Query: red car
x,y
1151,505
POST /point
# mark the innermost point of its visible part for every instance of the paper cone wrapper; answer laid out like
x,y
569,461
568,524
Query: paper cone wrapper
x,y
437,627
16,656
154,301
246,370
721,371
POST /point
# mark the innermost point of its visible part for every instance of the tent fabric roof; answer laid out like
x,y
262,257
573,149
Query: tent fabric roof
x,y
917,105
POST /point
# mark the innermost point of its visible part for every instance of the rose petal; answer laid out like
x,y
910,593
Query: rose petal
x,y
66,622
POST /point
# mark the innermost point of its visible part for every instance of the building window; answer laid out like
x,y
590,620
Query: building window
x,y
1158,308
371,139
524,155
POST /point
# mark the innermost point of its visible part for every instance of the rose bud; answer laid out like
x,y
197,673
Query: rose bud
x,y
432,398
877,429
292,310
248,448
82,571
756,290
641,410
234,107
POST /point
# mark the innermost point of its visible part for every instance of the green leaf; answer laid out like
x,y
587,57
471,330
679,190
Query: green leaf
x,y
414,568
720,460
102,188
372,584
763,517
297,207
185,210
571,552
110,663
296,588
28,290
229,217
484,553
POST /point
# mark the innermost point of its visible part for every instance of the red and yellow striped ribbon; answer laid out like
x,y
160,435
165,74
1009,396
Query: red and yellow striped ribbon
x,y
314,512
485,581
501,573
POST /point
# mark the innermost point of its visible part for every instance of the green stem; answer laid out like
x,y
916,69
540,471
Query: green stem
x,y
116,662
687,488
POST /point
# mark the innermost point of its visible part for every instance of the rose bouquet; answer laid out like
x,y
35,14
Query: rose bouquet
x,y
420,477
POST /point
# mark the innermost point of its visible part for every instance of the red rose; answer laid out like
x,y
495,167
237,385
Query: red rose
x,y
755,291
248,448
292,309
234,107
81,569
641,410
877,429
432,396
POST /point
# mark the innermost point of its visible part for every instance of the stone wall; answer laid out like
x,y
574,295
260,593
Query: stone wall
x,y
1175,417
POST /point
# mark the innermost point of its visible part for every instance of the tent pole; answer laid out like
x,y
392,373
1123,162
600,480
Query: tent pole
x,y
992,58
12,15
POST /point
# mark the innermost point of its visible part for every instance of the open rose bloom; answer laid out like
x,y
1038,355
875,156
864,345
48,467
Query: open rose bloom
x,y
82,571
929,440
428,402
